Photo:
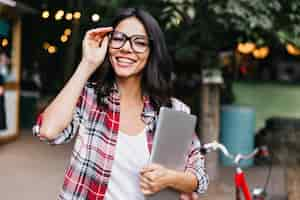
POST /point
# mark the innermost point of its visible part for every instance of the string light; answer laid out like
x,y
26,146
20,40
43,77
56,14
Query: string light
x,y
77,15
45,14
52,49
291,49
69,16
4,42
67,32
261,53
95,17
64,38
59,15
246,48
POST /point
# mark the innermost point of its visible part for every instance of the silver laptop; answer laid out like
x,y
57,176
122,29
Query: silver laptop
x,y
172,140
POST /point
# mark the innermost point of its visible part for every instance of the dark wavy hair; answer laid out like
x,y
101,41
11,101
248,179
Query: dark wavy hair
x,y
156,79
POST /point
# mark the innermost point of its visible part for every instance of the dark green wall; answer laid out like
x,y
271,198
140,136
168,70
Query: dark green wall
x,y
268,99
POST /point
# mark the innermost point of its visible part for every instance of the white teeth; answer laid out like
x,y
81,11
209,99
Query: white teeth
x,y
125,60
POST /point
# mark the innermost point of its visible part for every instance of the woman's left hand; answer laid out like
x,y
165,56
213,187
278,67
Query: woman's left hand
x,y
154,178
189,196
1,90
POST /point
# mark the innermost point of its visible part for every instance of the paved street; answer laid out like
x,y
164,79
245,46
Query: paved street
x,y
33,170
256,176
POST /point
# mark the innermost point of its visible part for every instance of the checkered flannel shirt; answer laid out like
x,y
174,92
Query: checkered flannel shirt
x,y
97,128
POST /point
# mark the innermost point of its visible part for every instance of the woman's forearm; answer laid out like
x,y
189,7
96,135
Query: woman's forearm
x,y
59,113
182,181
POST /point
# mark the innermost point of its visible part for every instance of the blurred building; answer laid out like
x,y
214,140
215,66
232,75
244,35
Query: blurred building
x,y
11,13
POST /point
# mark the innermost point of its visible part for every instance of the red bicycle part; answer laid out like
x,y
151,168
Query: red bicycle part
x,y
240,182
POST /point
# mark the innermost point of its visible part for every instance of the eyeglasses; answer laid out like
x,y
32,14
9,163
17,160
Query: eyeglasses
x,y
138,43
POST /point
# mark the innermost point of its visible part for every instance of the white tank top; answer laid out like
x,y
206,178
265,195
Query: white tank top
x,y
131,155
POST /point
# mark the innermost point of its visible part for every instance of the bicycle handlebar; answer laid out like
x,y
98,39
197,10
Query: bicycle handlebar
x,y
240,157
214,146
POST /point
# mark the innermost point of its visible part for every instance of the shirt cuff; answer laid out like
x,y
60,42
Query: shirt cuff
x,y
202,178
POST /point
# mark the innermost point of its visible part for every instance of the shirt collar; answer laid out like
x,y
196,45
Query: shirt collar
x,y
148,115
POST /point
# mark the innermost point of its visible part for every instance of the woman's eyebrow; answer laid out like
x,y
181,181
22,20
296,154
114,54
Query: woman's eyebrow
x,y
138,34
144,36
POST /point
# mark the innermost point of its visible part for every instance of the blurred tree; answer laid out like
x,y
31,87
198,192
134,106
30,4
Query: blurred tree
x,y
196,30
257,20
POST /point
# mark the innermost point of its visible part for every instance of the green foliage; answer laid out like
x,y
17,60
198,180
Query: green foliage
x,y
196,30
254,20
288,21
259,19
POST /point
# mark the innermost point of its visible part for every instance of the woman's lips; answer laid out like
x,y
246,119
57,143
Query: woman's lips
x,y
124,61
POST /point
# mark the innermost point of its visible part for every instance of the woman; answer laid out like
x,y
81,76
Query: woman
x,y
114,117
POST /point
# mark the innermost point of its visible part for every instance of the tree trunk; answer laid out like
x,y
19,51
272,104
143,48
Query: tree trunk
x,y
209,124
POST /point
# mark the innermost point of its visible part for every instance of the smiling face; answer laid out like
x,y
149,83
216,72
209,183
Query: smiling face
x,y
130,59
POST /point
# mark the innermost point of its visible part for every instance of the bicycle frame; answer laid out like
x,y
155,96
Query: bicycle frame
x,y
239,177
241,184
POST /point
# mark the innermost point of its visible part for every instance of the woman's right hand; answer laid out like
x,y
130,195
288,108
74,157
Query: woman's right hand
x,y
1,90
94,47
190,196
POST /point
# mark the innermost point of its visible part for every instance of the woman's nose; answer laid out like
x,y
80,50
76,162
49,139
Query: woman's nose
x,y
127,46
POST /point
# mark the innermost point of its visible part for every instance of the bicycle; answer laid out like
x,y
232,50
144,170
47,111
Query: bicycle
x,y
240,179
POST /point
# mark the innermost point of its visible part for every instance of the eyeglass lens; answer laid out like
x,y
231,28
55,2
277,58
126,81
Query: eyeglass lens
x,y
138,43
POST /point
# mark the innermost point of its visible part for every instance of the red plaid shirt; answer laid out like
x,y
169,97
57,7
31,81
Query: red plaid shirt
x,y
97,130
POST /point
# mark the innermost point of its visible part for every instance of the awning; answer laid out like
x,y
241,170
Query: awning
x,y
10,3
21,7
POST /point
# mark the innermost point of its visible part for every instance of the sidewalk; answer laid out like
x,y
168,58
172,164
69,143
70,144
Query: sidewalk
x,y
256,176
293,182
37,170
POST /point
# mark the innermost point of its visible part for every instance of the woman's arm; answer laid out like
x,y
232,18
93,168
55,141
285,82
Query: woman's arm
x,y
58,114
185,182
60,111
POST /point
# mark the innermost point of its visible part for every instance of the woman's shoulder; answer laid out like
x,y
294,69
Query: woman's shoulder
x,y
89,88
179,105
88,93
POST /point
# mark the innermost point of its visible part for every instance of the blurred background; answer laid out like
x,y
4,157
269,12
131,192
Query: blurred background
x,y
238,41
234,60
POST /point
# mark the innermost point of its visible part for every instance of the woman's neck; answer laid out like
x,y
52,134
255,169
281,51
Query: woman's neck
x,y
130,89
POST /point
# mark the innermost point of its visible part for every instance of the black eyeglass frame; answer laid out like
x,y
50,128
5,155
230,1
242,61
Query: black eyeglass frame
x,y
131,39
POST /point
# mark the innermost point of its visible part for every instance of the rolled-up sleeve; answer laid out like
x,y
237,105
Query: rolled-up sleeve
x,y
196,165
70,131
195,161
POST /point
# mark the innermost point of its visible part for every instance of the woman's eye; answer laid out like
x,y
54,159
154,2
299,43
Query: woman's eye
x,y
140,42
119,39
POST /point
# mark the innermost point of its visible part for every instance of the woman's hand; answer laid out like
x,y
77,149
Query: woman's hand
x,y
1,90
154,178
94,47
190,196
